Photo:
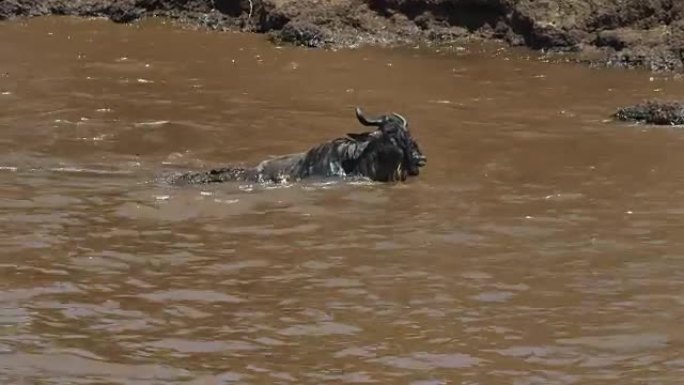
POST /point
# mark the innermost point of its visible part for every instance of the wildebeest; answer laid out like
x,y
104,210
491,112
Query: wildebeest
x,y
387,154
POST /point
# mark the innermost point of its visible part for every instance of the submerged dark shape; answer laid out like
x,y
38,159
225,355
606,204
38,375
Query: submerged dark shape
x,y
387,154
653,112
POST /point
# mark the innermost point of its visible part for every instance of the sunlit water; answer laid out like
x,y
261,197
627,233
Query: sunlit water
x,y
542,244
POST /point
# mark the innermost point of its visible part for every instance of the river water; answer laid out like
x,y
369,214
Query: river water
x,y
541,244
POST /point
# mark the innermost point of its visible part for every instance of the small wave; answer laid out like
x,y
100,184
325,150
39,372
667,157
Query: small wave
x,y
152,123
80,170
64,121
97,138
227,201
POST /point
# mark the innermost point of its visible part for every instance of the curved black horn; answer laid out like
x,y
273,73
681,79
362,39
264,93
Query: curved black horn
x,y
403,120
368,122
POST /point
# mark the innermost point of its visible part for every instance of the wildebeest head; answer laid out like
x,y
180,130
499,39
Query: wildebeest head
x,y
391,153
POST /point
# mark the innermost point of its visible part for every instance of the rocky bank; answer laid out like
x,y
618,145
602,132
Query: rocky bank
x,y
624,33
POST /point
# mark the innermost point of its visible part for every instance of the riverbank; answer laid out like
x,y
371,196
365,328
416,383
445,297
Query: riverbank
x,y
616,33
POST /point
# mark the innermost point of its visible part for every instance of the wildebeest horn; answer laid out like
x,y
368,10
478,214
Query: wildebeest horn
x,y
403,120
368,122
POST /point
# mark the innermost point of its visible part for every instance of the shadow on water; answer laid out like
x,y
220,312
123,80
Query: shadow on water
x,y
541,244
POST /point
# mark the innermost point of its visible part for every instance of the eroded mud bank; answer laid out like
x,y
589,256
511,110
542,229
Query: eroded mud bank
x,y
625,33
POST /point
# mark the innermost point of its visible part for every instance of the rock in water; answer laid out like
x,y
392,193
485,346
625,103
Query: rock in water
x,y
653,112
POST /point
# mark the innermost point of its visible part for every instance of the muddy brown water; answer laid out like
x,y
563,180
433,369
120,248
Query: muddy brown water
x,y
540,245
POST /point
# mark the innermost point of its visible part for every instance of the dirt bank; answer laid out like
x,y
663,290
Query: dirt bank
x,y
624,33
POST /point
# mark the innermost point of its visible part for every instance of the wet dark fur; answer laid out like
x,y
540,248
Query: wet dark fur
x,y
385,154
653,112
